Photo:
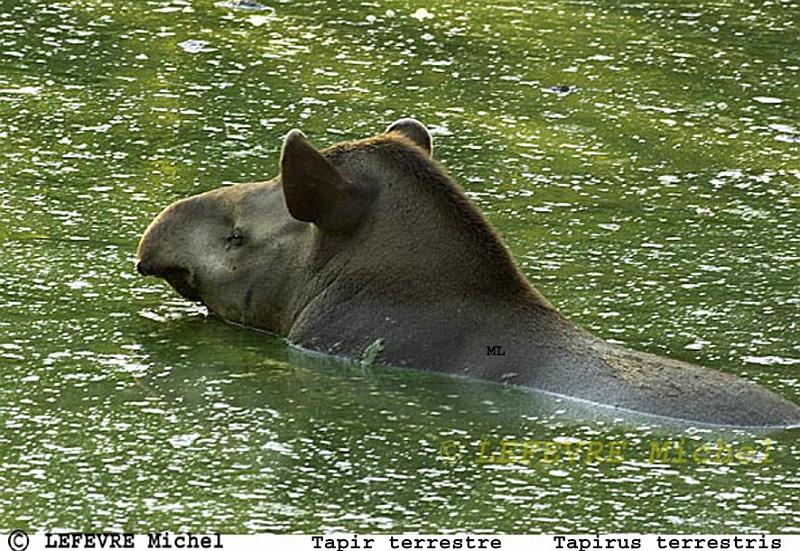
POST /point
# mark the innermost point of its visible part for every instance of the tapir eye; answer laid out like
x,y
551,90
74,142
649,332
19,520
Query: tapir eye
x,y
235,238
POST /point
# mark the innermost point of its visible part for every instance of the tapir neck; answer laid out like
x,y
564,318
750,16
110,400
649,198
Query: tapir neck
x,y
353,296
476,334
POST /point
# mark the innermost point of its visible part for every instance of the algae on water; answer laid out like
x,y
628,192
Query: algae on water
x,y
371,353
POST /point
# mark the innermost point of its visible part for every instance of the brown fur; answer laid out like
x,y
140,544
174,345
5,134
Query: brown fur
x,y
385,245
431,178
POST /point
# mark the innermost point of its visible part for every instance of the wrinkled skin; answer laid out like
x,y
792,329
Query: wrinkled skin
x,y
372,240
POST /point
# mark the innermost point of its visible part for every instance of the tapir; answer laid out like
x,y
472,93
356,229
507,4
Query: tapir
x,y
371,241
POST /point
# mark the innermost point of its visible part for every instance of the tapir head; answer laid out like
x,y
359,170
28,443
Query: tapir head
x,y
377,212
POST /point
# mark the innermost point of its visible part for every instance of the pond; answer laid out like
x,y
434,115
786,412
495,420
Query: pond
x,y
641,159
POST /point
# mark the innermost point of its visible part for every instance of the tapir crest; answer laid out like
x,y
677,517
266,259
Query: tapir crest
x,y
371,240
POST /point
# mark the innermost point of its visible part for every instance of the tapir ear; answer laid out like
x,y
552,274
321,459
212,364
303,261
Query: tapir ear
x,y
315,191
414,131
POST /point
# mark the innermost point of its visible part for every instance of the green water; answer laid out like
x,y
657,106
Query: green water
x,y
656,202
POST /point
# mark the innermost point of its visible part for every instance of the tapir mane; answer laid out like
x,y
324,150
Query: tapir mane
x,y
430,178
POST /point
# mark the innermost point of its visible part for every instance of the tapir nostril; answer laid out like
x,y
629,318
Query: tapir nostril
x,y
180,279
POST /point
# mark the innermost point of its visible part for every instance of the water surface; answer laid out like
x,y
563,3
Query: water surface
x,y
642,160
